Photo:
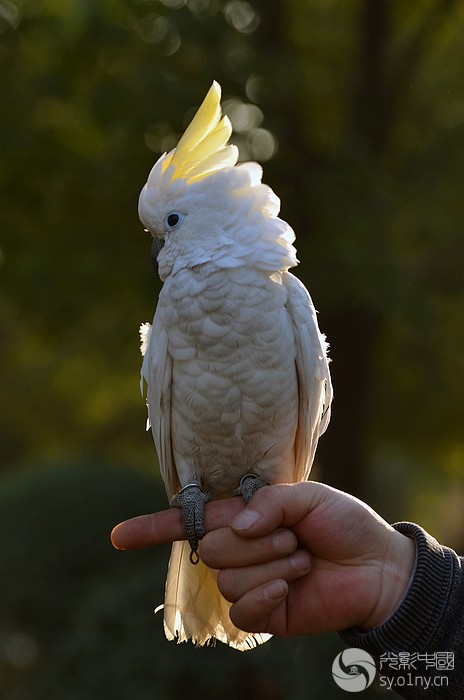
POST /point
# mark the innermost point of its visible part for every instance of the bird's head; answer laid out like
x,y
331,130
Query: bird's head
x,y
200,206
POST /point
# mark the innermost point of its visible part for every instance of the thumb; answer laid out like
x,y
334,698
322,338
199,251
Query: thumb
x,y
280,505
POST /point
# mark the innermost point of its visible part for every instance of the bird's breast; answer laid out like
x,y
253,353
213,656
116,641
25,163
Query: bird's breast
x,y
234,389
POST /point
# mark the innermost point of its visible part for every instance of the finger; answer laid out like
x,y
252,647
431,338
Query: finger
x,y
167,526
252,612
281,505
148,530
234,583
223,549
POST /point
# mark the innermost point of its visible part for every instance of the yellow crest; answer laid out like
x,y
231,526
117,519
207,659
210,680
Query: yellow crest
x,y
203,148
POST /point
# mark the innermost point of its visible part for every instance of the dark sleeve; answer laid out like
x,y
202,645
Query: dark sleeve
x,y
420,648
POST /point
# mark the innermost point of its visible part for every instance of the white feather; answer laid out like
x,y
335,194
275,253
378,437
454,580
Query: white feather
x,y
194,609
145,333
314,383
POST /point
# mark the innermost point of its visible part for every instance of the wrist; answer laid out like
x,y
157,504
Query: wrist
x,y
396,574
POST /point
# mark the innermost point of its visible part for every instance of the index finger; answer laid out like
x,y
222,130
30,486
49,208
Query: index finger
x,y
167,526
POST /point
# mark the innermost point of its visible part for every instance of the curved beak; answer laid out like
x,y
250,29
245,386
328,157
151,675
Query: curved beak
x,y
156,246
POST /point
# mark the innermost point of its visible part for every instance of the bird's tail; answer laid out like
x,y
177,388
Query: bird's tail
x,y
194,607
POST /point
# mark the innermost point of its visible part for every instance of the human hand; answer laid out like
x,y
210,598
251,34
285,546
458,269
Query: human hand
x,y
337,564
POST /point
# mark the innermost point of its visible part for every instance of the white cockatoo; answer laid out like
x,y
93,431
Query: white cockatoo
x,y
238,383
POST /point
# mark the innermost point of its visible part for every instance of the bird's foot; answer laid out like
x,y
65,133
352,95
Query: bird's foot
x,y
191,500
249,484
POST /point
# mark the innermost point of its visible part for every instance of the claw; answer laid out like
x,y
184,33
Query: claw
x,y
249,484
191,500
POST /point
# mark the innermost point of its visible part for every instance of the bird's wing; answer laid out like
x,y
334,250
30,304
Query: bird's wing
x,y
157,373
314,383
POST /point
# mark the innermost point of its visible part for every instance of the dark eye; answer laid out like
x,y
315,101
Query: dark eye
x,y
173,220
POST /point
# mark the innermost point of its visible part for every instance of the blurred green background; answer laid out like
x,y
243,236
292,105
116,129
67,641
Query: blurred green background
x,y
356,111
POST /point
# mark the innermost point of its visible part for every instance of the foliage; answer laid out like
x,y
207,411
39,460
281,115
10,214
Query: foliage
x,y
366,107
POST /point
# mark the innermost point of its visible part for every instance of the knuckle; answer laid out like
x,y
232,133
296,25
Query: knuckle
x,y
266,495
284,542
208,551
226,584
243,618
